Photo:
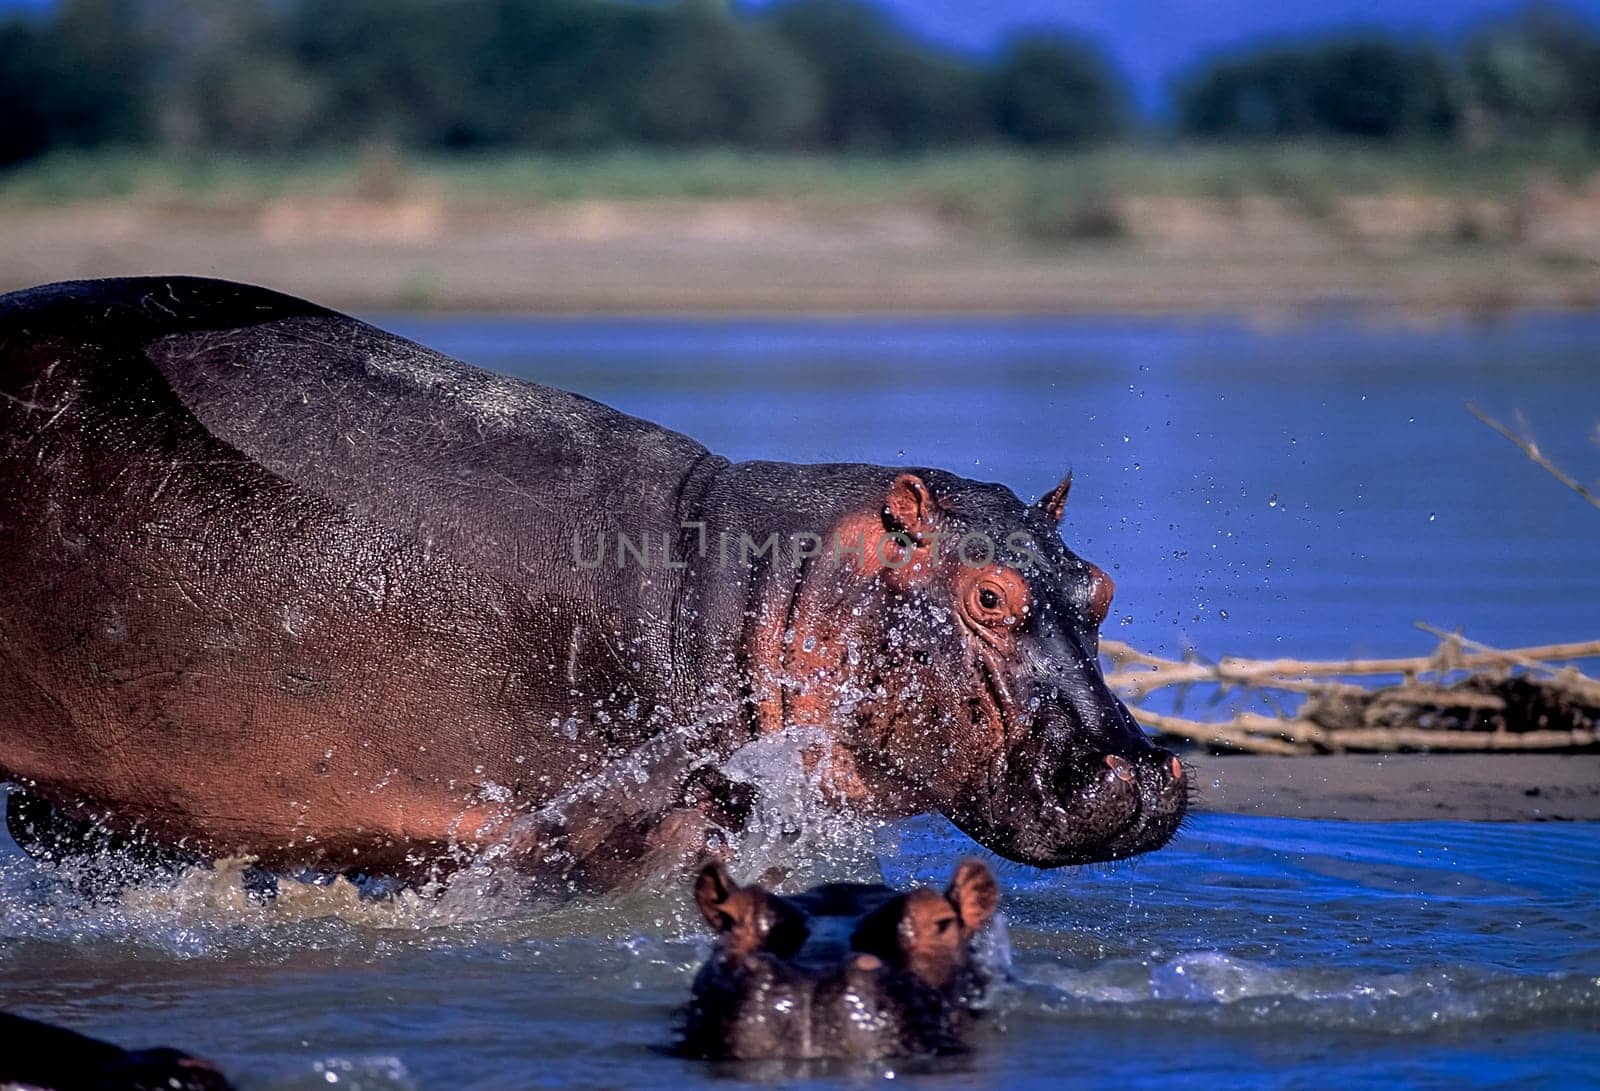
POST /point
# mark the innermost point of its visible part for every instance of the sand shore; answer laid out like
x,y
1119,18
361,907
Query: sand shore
x,y
1405,787
754,257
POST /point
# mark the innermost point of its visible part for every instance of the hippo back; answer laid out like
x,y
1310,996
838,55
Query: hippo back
x,y
318,559
495,471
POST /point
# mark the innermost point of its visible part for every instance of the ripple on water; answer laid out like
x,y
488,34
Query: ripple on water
x,y
1215,988
1341,932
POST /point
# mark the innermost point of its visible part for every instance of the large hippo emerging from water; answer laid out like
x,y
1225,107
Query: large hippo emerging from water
x,y
279,583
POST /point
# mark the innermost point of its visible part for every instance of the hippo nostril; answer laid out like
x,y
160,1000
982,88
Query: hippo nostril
x,y
1120,766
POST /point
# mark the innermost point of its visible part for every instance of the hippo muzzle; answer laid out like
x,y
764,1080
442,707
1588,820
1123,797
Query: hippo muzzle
x,y
1085,785
845,970
1079,806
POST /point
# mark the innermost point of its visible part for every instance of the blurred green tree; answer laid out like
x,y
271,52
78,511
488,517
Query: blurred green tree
x,y
393,71
878,87
1536,73
1050,89
562,74
1366,88
718,80
269,76
224,76
75,81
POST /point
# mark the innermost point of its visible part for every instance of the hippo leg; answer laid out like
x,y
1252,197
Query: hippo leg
x,y
598,857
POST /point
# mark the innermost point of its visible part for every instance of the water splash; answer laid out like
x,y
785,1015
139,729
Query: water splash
x,y
794,832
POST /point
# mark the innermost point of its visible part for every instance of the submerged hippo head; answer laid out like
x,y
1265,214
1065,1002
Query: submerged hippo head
x,y
962,644
843,970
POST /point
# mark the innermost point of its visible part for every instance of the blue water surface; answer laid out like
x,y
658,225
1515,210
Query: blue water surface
x,y
1253,952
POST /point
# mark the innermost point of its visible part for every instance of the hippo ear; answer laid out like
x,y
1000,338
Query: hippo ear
x,y
910,506
974,893
1054,502
747,918
715,893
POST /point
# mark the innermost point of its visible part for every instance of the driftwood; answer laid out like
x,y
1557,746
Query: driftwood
x,y
1463,697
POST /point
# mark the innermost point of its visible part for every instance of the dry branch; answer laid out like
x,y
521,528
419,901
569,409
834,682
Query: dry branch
x,y
1536,456
1465,696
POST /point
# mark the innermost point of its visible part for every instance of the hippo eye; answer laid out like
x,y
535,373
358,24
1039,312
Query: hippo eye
x,y
994,599
986,603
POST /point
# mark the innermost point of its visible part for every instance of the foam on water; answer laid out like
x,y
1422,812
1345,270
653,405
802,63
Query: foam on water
x,y
1216,988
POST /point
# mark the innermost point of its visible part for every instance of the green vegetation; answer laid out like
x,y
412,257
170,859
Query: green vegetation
x,y
272,76
993,186
309,78
1364,89
1531,75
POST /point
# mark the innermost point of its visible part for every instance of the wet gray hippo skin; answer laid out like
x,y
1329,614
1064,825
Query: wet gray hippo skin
x,y
280,583
849,970
38,1055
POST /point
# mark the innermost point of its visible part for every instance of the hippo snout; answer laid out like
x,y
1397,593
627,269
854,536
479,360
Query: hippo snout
x,y
1120,803
1091,787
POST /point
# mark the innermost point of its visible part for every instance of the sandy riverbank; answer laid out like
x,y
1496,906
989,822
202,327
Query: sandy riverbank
x,y
774,257
1406,787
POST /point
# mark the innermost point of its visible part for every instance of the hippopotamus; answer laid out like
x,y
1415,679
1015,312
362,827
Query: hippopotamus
x,y
38,1055
850,970
281,584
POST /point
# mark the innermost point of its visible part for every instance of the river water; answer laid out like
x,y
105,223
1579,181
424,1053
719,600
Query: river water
x,y
1313,490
